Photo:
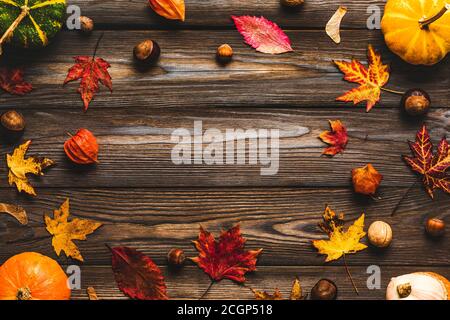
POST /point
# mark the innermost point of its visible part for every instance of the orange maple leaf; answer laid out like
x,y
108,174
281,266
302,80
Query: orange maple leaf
x,y
337,138
371,79
433,168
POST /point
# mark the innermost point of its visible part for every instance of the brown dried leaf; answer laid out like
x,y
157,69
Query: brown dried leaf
x,y
15,211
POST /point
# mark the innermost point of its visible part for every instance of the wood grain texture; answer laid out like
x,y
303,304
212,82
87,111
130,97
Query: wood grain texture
x,y
136,146
147,202
217,13
191,282
281,221
188,75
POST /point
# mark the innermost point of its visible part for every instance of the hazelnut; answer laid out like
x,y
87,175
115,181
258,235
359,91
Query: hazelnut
x,y
380,234
147,51
176,257
291,3
324,290
435,227
416,102
12,121
86,25
224,53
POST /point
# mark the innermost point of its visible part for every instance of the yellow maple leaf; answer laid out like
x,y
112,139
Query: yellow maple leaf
x,y
64,232
340,242
19,167
296,293
371,79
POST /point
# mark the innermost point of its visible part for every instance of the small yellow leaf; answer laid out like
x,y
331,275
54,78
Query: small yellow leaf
x,y
340,242
296,292
64,231
91,293
19,167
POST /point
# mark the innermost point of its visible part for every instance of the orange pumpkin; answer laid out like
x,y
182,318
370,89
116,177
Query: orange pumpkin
x,y
33,276
417,30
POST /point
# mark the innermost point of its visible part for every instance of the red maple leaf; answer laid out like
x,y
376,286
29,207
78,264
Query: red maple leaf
x,y
91,71
137,275
225,258
432,167
11,80
337,138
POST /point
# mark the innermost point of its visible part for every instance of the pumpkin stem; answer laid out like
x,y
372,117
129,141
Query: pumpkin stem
x,y
8,33
404,290
425,23
23,294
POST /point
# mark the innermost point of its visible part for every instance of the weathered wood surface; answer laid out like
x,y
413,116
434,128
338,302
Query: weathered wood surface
x,y
191,282
136,145
147,202
282,221
188,75
217,13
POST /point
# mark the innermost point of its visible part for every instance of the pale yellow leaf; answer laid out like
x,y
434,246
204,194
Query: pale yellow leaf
x,y
333,27
19,167
64,232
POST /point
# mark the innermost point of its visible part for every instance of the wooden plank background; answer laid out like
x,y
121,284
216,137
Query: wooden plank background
x,y
147,202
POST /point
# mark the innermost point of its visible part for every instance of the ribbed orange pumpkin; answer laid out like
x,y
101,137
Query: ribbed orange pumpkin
x,y
33,276
417,30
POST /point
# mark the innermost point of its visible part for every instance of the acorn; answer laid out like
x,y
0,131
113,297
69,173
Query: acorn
x,y
416,102
435,227
324,290
291,3
86,25
148,51
12,121
224,53
380,234
176,257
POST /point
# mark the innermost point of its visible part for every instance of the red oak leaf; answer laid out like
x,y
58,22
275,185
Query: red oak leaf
x,y
11,80
371,79
433,168
337,138
91,71
262,34
137,275
225,258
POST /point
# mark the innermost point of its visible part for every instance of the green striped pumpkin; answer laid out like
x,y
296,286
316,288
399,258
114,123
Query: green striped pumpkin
x,y
43,21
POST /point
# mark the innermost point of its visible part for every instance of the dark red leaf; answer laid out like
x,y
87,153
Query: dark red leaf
x,y
137,275
11,80
225,258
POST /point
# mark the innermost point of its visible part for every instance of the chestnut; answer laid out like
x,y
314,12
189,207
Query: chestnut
x,y
291,3
147,51
416,102
224,53
12,121
176,257
435,227
86,25
324,290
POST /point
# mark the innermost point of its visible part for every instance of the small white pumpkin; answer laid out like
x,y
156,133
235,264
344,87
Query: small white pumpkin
x,y
418,286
